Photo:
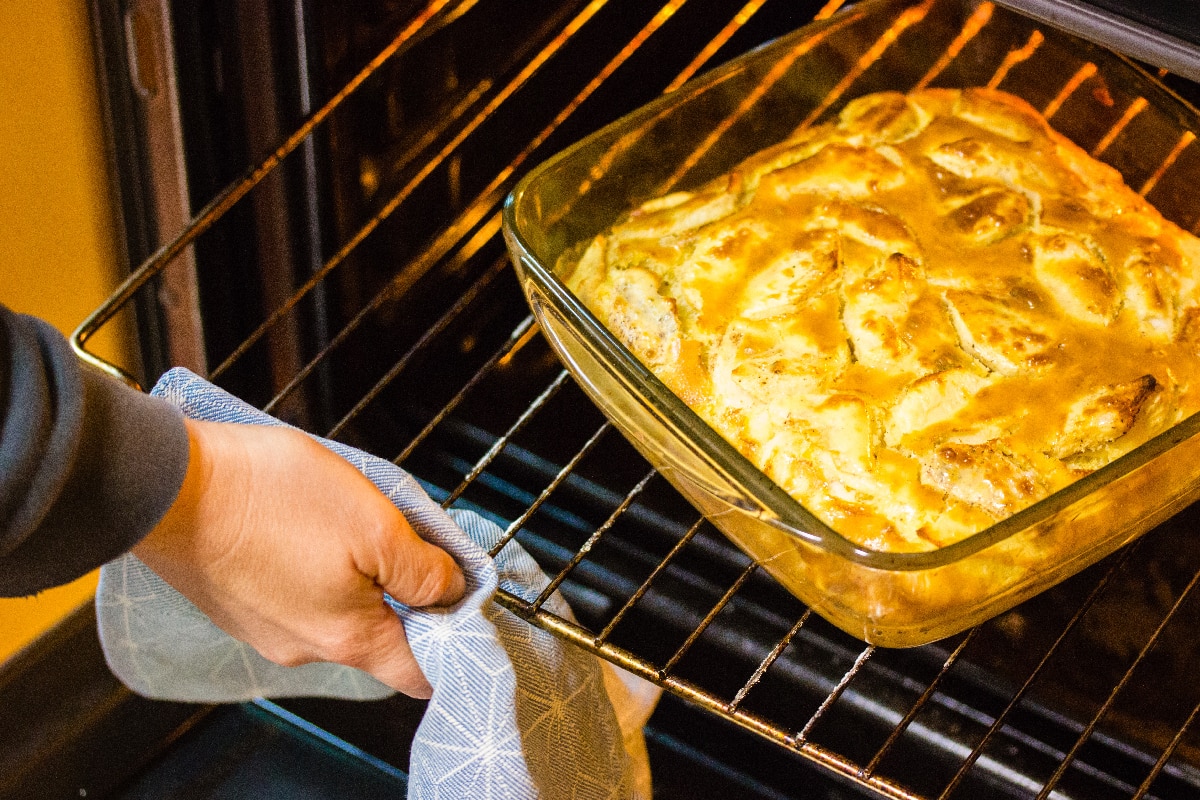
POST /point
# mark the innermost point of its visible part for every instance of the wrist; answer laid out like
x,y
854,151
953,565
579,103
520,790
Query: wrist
x,y
174,532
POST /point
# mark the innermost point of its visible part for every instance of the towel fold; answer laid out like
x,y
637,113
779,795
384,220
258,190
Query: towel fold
x,y
515,712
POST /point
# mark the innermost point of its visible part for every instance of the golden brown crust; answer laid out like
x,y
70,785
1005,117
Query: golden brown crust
x,y
917,319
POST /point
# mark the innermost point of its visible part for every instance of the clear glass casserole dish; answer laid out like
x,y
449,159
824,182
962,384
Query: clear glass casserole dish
x,y
1100,101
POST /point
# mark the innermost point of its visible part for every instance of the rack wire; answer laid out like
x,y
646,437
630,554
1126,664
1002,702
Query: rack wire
x,y
474,229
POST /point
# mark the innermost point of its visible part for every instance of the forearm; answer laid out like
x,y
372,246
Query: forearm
x,y
87,465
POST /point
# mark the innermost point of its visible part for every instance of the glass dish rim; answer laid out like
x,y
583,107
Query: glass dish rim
x,y
784,512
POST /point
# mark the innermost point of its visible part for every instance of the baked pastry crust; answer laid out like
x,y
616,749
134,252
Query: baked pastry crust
x,y
917,319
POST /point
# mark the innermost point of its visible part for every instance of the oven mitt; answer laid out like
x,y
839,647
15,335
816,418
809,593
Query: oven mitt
x,y
515,712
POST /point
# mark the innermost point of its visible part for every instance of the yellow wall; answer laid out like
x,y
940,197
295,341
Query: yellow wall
x,y
57,243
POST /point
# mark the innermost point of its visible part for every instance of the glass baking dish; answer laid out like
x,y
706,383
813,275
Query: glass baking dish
x,y
1101,101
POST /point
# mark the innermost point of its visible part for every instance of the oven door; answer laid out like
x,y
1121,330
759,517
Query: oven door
x,y
344,172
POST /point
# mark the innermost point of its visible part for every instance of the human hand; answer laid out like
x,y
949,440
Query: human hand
x,y
288,548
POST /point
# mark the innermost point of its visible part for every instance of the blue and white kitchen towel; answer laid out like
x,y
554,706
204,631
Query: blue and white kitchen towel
x,y
515,712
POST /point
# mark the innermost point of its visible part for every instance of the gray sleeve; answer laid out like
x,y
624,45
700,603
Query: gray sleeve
x,y
87,465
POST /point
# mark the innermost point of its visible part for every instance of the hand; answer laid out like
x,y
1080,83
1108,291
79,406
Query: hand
x,y
288,548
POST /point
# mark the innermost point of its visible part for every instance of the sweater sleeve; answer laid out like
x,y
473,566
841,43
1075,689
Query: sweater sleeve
x,y
87,465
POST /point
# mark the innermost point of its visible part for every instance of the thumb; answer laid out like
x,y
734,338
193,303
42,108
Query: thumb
x,y
418,573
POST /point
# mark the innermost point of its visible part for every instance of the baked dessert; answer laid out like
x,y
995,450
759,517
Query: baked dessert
x,y
917,319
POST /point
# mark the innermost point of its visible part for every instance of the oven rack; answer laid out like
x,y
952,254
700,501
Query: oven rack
x,y
590,536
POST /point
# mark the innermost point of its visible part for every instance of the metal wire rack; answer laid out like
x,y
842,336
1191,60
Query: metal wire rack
x,y
909,697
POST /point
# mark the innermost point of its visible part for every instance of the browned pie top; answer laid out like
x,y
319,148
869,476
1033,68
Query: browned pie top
x,y
917,319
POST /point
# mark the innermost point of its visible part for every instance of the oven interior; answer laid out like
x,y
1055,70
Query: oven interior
x,y
344,171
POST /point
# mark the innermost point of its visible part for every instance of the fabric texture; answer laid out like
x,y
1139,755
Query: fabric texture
x,y
73,445
515,712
